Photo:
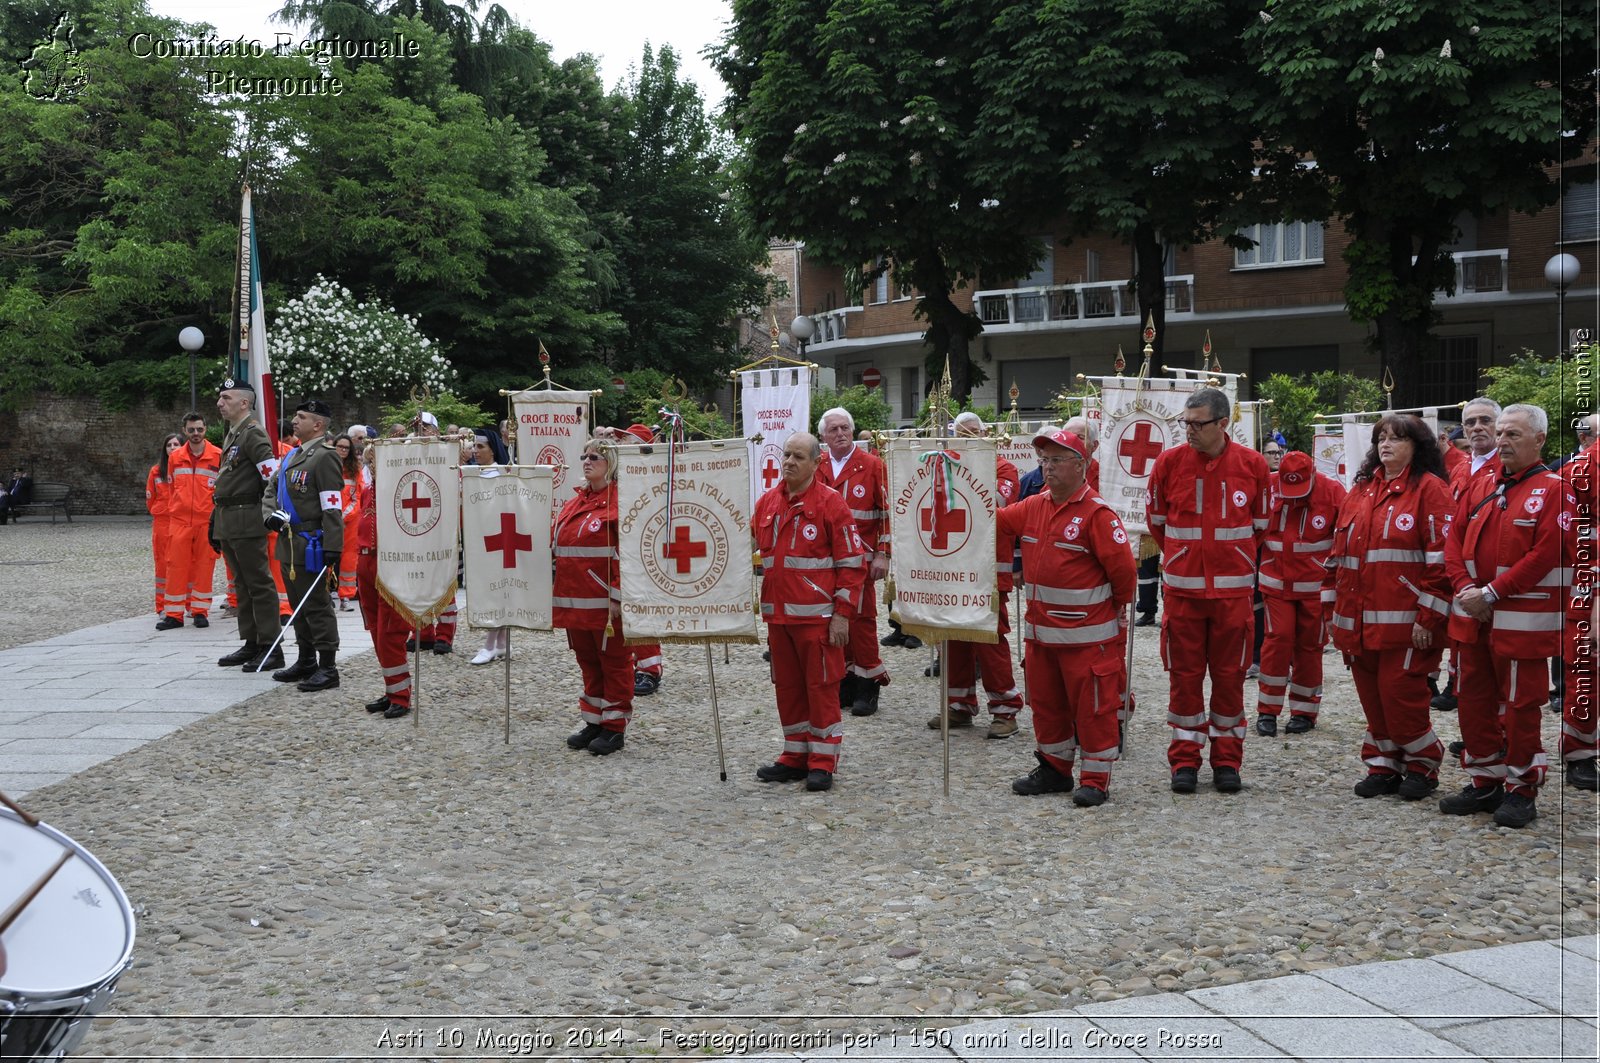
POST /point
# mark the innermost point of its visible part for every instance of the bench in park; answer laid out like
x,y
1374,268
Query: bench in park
x,y
46,496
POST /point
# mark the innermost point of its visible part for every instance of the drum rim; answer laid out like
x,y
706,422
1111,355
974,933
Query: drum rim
x,y
26,998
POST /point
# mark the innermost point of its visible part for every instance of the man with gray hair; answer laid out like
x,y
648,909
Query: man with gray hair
x,y
861,480
1483,459
1080,427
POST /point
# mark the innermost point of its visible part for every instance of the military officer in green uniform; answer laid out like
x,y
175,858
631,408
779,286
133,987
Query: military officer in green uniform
x,y
303,505
248,462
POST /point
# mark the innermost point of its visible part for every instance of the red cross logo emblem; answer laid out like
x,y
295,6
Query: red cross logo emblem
x,y
415,504
682,549
938,522
508,542
1141,443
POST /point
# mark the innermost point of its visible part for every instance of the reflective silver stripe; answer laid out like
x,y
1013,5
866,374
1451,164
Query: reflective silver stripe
x,y
1272,583
1269,699
1227,534
1557,577
1199,496
1184,533
1274,545
1260,524
1228,582
1179,734
790,609
808,562
1346,561
1396,555
1305,692
1002,567
858,561
796,729
1419,744
767,609
1330,596
1472,567
1506,620
1187,583
585,551
1069,636
1313,548
580,603
1388,616
1064,750
397,686
870,514
1156,518
1197,720
1063,596
1347,623
399,669
1307,587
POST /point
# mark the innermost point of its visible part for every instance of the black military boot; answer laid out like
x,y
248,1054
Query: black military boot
x,y
299,670
249,651
847,691
326,677
866,702
264,661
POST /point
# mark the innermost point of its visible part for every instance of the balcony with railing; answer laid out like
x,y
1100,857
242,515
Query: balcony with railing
x,y
1481,272
1066,304
833,325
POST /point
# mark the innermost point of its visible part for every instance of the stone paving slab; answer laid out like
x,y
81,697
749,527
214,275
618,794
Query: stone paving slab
x,y
1172,1026
1558,979
1588,945
1430,993
1551,1037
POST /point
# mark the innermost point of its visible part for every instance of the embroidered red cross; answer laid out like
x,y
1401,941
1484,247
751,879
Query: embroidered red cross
x,y
415,502
508,541
941,521
769,474
1142,447
682,549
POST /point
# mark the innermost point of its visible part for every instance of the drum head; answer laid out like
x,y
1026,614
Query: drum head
x,y
77,933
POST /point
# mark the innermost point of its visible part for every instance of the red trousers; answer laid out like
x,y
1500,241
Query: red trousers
x,y
389,632
347,563
1393,687
158,547
1500,701
1200,635
1076,692
190,566
647,659
1291,657
862,650
1580,736
806,673
963,660
444,629
607,668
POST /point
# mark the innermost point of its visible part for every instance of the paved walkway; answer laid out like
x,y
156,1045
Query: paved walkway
x,y
71,702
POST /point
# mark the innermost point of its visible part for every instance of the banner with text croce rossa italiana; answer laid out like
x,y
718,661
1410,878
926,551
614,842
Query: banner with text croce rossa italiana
x,y
552,429
505,545
418,495
1139,419
775,404
683,524
942,502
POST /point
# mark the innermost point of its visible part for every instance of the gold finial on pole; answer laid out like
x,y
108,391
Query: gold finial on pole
x,y
544,362
774,330
1119,363
1388,389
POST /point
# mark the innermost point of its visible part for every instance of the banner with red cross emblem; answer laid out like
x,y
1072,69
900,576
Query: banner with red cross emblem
x,y
418,495
505,545
1139,419
684,542
552,429
942,502
774,404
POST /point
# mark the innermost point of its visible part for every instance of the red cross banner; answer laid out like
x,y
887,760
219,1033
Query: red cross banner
x,y
775,403
418,494
552,429
1139,419
942,502
505,545
684,542
1019,451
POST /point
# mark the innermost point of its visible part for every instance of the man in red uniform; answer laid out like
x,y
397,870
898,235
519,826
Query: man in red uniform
x,y
1080,578
861,481
1580,735
1206,510
1505,562
1481,459
966,659
191,562
1299,537
814,564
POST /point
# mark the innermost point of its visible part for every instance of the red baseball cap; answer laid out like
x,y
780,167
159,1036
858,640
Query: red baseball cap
x,y
1297,473
642,433
1063,438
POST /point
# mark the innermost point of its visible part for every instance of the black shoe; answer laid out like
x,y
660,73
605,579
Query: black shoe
x,y
1185,781
411,644
605,743
818,780
441,648
766,655
645,684
1582,774
1267,726
1415,786
248,652
1045,779
394,712
912,643
932,671
1457,748
1516,811
322,679
893,638
1433,687
379,705
1299,725
847,692
264,662
1555,704
297,671
167,623
1226,780
200,620
1377,784
1145,620
581,738
866,702
1445,701
780,773
1473,799
1088,796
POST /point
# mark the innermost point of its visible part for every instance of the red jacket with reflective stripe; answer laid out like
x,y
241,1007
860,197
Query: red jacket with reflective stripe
x,y
1462,475
157,493
812,557
1507,535
1009,485
1583,530
193,481
1079,564
1298,541
1388,561
587,574
863,484
1207,515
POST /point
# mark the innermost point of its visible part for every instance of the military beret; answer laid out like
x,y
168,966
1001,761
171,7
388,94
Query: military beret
x,y
315,406
231,384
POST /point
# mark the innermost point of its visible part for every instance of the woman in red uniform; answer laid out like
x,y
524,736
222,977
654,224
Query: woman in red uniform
x,y
586,602
389,629
350,462
1392,602
157,496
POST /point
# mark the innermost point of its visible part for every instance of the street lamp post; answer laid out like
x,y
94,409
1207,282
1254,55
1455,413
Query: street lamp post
x,y
802,328
192,339
1561,271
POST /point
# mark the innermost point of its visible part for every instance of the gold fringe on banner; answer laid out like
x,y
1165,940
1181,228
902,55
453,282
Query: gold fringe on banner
x,y
953,634
427,616
694,640
1147,548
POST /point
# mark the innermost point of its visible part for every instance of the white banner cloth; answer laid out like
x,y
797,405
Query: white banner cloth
x,y
1139,421
505,545
418,496
1020,452
774,404
941,515
552,429
687,574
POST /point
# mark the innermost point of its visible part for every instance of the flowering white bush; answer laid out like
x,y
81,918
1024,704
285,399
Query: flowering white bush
x,y
326,340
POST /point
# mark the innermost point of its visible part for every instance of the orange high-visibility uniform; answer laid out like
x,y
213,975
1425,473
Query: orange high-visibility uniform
x,y
191,563
157,497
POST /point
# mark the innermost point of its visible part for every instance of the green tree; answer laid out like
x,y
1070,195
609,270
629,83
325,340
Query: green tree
x,y
1299,401
866,405
1564,388
1416,114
